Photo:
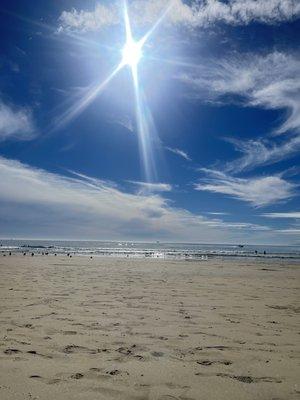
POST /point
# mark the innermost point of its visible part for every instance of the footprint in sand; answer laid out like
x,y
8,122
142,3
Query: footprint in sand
x,y
28,326
72,348
114,372
12,351
95,369
78,375
157,354
250,379
207,363
51,381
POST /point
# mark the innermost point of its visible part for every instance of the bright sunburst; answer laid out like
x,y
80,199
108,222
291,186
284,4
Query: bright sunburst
x,y
132,53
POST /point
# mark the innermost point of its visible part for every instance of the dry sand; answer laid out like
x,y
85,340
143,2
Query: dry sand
x,y
80,328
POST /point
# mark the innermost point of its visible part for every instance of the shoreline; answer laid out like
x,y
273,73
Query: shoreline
x,y
197,258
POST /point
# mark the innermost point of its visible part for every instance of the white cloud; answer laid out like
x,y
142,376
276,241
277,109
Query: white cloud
x,y
179,152
243,12
15,123
101,17
290,231
262,152
152,187
202,13
291,214
123,120
260,191
36,203
271,82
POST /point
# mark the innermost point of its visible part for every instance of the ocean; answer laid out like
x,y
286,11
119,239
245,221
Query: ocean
x,y
151,250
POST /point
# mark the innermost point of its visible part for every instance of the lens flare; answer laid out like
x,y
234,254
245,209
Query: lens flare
x,y
132,53
86,98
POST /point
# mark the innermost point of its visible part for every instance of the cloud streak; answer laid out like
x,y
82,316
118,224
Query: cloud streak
x,y
179,152
290,231
290,214
262,152
152,187
259,191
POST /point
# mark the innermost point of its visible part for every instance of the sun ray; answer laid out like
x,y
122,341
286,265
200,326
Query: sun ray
x,y
90,94
157,23
127,22
144,134
131,55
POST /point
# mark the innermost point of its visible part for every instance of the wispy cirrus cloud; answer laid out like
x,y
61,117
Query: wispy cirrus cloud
x,y
124,121
195,14
289,214
37,203
179,152
152,187
262,151
16,123
217,213
258,191
290,231
269,82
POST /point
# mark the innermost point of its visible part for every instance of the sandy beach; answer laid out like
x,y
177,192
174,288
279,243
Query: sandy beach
x,y
81,328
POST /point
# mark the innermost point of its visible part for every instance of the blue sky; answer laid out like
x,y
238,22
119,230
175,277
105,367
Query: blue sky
x,y
205,148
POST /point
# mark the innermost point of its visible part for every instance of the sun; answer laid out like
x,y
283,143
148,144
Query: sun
x,y
132,53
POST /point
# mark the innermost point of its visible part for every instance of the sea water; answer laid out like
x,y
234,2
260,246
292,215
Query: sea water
x,y
148,250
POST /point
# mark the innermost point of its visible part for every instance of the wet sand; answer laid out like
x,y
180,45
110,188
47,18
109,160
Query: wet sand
x,y
80,328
